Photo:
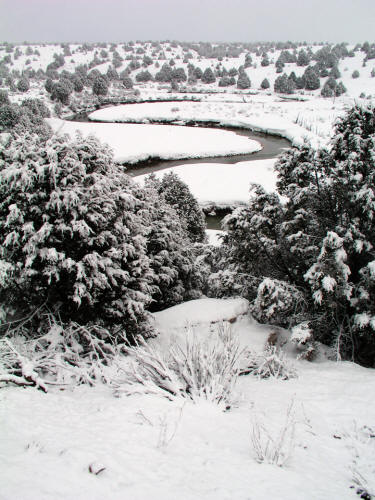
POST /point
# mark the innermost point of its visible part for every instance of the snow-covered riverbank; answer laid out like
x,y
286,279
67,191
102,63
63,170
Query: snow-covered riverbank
x,y
135,143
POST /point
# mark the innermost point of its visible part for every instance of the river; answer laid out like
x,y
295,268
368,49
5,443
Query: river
x,y
272,146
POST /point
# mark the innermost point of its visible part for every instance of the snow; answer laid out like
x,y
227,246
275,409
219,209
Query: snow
x,y
310,119
222,184
200,311
134,143
85,443
214,237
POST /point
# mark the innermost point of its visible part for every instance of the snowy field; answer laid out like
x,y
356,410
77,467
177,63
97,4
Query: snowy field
x,y
86,443
223,184
134,143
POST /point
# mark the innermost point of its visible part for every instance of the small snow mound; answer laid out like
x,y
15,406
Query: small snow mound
x,y
195,312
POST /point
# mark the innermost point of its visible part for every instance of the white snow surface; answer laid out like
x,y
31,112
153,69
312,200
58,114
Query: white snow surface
x,y
295,120
214,237
196,312
223,184
138,142
86,444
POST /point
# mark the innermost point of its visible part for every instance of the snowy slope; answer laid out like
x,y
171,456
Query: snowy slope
x,y
84,443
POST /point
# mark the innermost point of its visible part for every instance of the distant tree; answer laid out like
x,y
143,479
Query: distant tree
x,y
332,89
335,73
100,86
177,194
198,73
248,61
265,61
62,90
355,74
243,81
284,85
143,76
265,84
127,82
49,85
78,84
112,73
4,99
179,75
226,81
303,59
311,79
208,76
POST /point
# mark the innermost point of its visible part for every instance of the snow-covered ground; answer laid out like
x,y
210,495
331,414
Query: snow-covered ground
x,y
223,184
310,119
134,143
86,443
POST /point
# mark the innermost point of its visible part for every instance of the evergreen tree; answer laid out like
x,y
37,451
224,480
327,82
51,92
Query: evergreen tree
x,y
243,81
208,76
100,86
170,251
265,84
177,194
23,85
284,85
72,236
127,82
319,243
143,76
265,61
311,79
303,59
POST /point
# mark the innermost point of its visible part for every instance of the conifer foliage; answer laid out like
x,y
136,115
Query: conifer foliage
x,y
72,235
314,255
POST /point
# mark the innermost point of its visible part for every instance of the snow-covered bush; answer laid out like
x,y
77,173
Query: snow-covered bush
x,y
271,363
200,368
72,233
276,302
57,354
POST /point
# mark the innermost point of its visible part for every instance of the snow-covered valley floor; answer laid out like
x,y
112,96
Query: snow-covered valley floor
x,y
87,444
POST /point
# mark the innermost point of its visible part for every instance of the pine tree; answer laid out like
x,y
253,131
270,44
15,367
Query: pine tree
x,y
243,81
100,86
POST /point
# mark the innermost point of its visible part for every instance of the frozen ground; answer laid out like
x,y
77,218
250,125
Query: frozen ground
x,y
85,443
